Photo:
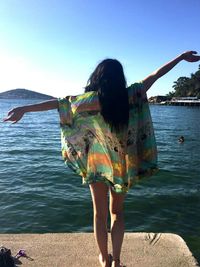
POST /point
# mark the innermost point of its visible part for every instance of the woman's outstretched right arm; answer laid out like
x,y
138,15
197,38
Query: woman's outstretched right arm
x,y
15,114
190,56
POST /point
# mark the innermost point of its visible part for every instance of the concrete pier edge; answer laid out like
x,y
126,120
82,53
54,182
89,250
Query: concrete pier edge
x,y
79,249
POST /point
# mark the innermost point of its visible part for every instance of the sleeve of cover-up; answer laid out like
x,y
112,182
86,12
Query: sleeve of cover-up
x,y
136,92
65,112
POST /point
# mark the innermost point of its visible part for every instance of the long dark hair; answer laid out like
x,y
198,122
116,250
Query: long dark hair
x,y
109,81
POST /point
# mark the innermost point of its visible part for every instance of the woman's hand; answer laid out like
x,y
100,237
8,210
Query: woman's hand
x,y
15,114
190,56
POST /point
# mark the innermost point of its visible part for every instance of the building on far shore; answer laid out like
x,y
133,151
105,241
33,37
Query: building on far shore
x,y
184,98
184,101
158,99
175,101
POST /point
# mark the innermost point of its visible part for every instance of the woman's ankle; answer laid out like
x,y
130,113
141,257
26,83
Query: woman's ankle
x,y
104,257
115,262
104,260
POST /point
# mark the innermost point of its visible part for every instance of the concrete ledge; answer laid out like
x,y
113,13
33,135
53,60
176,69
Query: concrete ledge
x,y
79,250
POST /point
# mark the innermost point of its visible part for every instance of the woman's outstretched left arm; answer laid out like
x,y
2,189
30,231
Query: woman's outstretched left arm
x,y
16,114
190,56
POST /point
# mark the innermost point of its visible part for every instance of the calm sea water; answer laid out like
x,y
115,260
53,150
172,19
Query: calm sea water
x,y
39,194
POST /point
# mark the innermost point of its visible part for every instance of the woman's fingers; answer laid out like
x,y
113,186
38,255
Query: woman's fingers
x,y
10,112
9,115
191,56
14,115
9,118
6,119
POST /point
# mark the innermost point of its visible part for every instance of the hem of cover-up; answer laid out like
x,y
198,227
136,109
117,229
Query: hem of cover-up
x,y
117,188
121,188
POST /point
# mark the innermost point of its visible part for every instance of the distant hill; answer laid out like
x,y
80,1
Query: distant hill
x,y
24,94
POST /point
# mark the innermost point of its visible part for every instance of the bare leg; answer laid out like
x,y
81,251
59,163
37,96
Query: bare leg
x,y
99,192
117,225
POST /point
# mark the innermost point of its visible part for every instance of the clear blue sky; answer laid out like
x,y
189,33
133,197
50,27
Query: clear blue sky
x,y
52,46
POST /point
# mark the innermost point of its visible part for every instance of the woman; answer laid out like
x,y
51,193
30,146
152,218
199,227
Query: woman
x,y
108,139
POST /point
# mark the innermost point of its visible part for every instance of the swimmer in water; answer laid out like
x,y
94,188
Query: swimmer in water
x,y
181,139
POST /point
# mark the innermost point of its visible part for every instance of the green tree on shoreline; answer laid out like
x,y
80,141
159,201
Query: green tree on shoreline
x,y
185,86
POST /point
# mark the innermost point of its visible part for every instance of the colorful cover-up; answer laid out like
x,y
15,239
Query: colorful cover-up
x,y
91,150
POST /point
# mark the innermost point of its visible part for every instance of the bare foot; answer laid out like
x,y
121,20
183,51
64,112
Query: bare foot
x,y
105,262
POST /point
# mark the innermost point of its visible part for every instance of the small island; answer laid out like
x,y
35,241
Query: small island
x,y
24,94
